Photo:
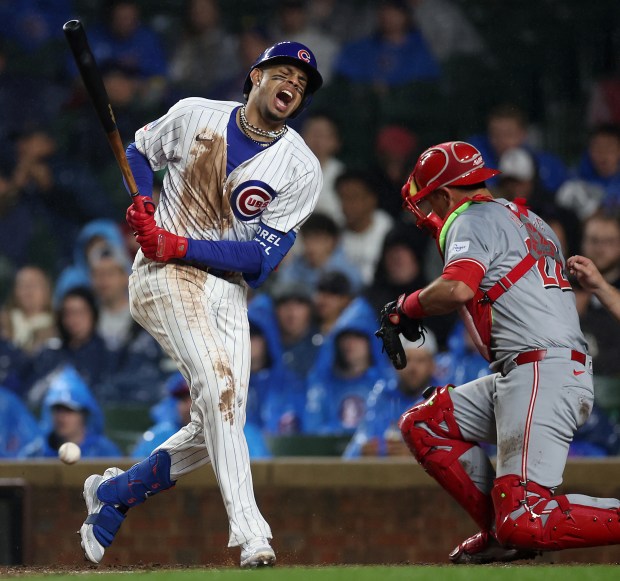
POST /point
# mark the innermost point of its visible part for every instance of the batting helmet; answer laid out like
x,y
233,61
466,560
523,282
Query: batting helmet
x,y
293,53
453,163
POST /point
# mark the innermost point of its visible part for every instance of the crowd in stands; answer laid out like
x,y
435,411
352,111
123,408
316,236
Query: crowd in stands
x,y
74,366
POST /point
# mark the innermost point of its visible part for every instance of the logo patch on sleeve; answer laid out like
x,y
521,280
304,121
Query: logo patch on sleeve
x,y
459,247
249,199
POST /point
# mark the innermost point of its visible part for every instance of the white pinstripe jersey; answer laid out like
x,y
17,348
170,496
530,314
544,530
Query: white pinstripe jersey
x,y
279,186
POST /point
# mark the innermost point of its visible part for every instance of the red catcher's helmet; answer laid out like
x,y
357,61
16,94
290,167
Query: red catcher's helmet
x,y
453,163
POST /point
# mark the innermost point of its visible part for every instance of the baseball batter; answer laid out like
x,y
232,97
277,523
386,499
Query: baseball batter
x,y
504,271
239,184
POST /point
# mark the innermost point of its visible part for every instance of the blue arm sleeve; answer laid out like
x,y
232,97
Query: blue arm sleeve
x,y
141,169
256,258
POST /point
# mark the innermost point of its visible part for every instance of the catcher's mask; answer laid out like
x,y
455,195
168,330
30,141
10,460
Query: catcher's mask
x,y
453,163
293,53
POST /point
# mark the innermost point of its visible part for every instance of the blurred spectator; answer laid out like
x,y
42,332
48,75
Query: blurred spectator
x,y
348,367
46,187
446,29
12,365
24,98
18,427
96,239
295,319
342,20
251,43
396,149
79,129
604,101
293,23
32,24
138,362
321,252
596,181
601,243
322,135
70,413
276,395
378,434
79,345
174,412
401,267
394,55
122,36
507,127
110,277
332,296
205,54
519,179
365,224
461,362
27,318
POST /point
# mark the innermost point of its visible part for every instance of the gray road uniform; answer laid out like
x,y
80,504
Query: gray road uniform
x,y
523,319
534,408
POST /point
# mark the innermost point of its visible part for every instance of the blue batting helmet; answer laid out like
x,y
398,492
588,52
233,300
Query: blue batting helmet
x,y
293,53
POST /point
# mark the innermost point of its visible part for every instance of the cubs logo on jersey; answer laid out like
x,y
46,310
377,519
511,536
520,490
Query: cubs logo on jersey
x,y
249,199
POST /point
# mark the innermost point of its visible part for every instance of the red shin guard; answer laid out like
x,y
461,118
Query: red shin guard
x,y
439,450
529,517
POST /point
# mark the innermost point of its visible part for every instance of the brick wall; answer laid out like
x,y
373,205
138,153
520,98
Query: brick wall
x,y
321,511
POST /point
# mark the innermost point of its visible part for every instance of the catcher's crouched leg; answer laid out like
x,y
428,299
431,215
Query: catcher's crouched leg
x,y
530,517
434,438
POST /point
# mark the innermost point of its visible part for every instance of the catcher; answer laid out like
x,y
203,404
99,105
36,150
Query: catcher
x,y
505,273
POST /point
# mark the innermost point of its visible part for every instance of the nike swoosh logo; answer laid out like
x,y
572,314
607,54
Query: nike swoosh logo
x,y
577,372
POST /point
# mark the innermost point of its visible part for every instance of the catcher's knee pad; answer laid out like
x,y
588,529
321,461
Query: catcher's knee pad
x,y
528,516
434,438
142,480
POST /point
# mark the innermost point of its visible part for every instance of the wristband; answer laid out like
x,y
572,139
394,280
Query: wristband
x,y
412,306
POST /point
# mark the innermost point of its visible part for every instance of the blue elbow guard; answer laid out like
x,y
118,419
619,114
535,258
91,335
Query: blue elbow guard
x,y
142,480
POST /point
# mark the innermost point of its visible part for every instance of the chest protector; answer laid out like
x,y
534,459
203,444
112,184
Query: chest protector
x,y
478,312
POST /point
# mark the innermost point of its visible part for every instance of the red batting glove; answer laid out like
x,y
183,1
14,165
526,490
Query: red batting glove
x,y
141,221
161,245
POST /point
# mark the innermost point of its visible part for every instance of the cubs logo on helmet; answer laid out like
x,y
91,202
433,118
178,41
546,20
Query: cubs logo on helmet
x,y
304,55
249,199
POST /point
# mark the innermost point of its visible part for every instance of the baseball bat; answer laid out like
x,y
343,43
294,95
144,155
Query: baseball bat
x,y
85,61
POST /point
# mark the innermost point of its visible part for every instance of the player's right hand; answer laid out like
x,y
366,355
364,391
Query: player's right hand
x,y
141,221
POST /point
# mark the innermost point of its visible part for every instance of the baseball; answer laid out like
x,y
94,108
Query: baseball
x,y
69,453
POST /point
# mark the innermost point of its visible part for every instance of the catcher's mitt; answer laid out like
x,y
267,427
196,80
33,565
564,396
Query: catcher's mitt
x,y
393,323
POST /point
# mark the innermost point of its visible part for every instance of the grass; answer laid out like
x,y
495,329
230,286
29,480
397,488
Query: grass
x,y
359,573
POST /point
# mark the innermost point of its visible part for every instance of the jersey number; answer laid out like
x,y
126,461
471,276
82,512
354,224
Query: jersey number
x,y
555,279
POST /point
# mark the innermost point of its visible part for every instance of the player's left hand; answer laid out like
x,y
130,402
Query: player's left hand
x,y
161,245
141,221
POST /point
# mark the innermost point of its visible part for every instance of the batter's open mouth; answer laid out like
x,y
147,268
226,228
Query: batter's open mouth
x,y
285,96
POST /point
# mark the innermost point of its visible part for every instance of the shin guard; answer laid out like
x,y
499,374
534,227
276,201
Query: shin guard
x,y
530,517
434,438
142,480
